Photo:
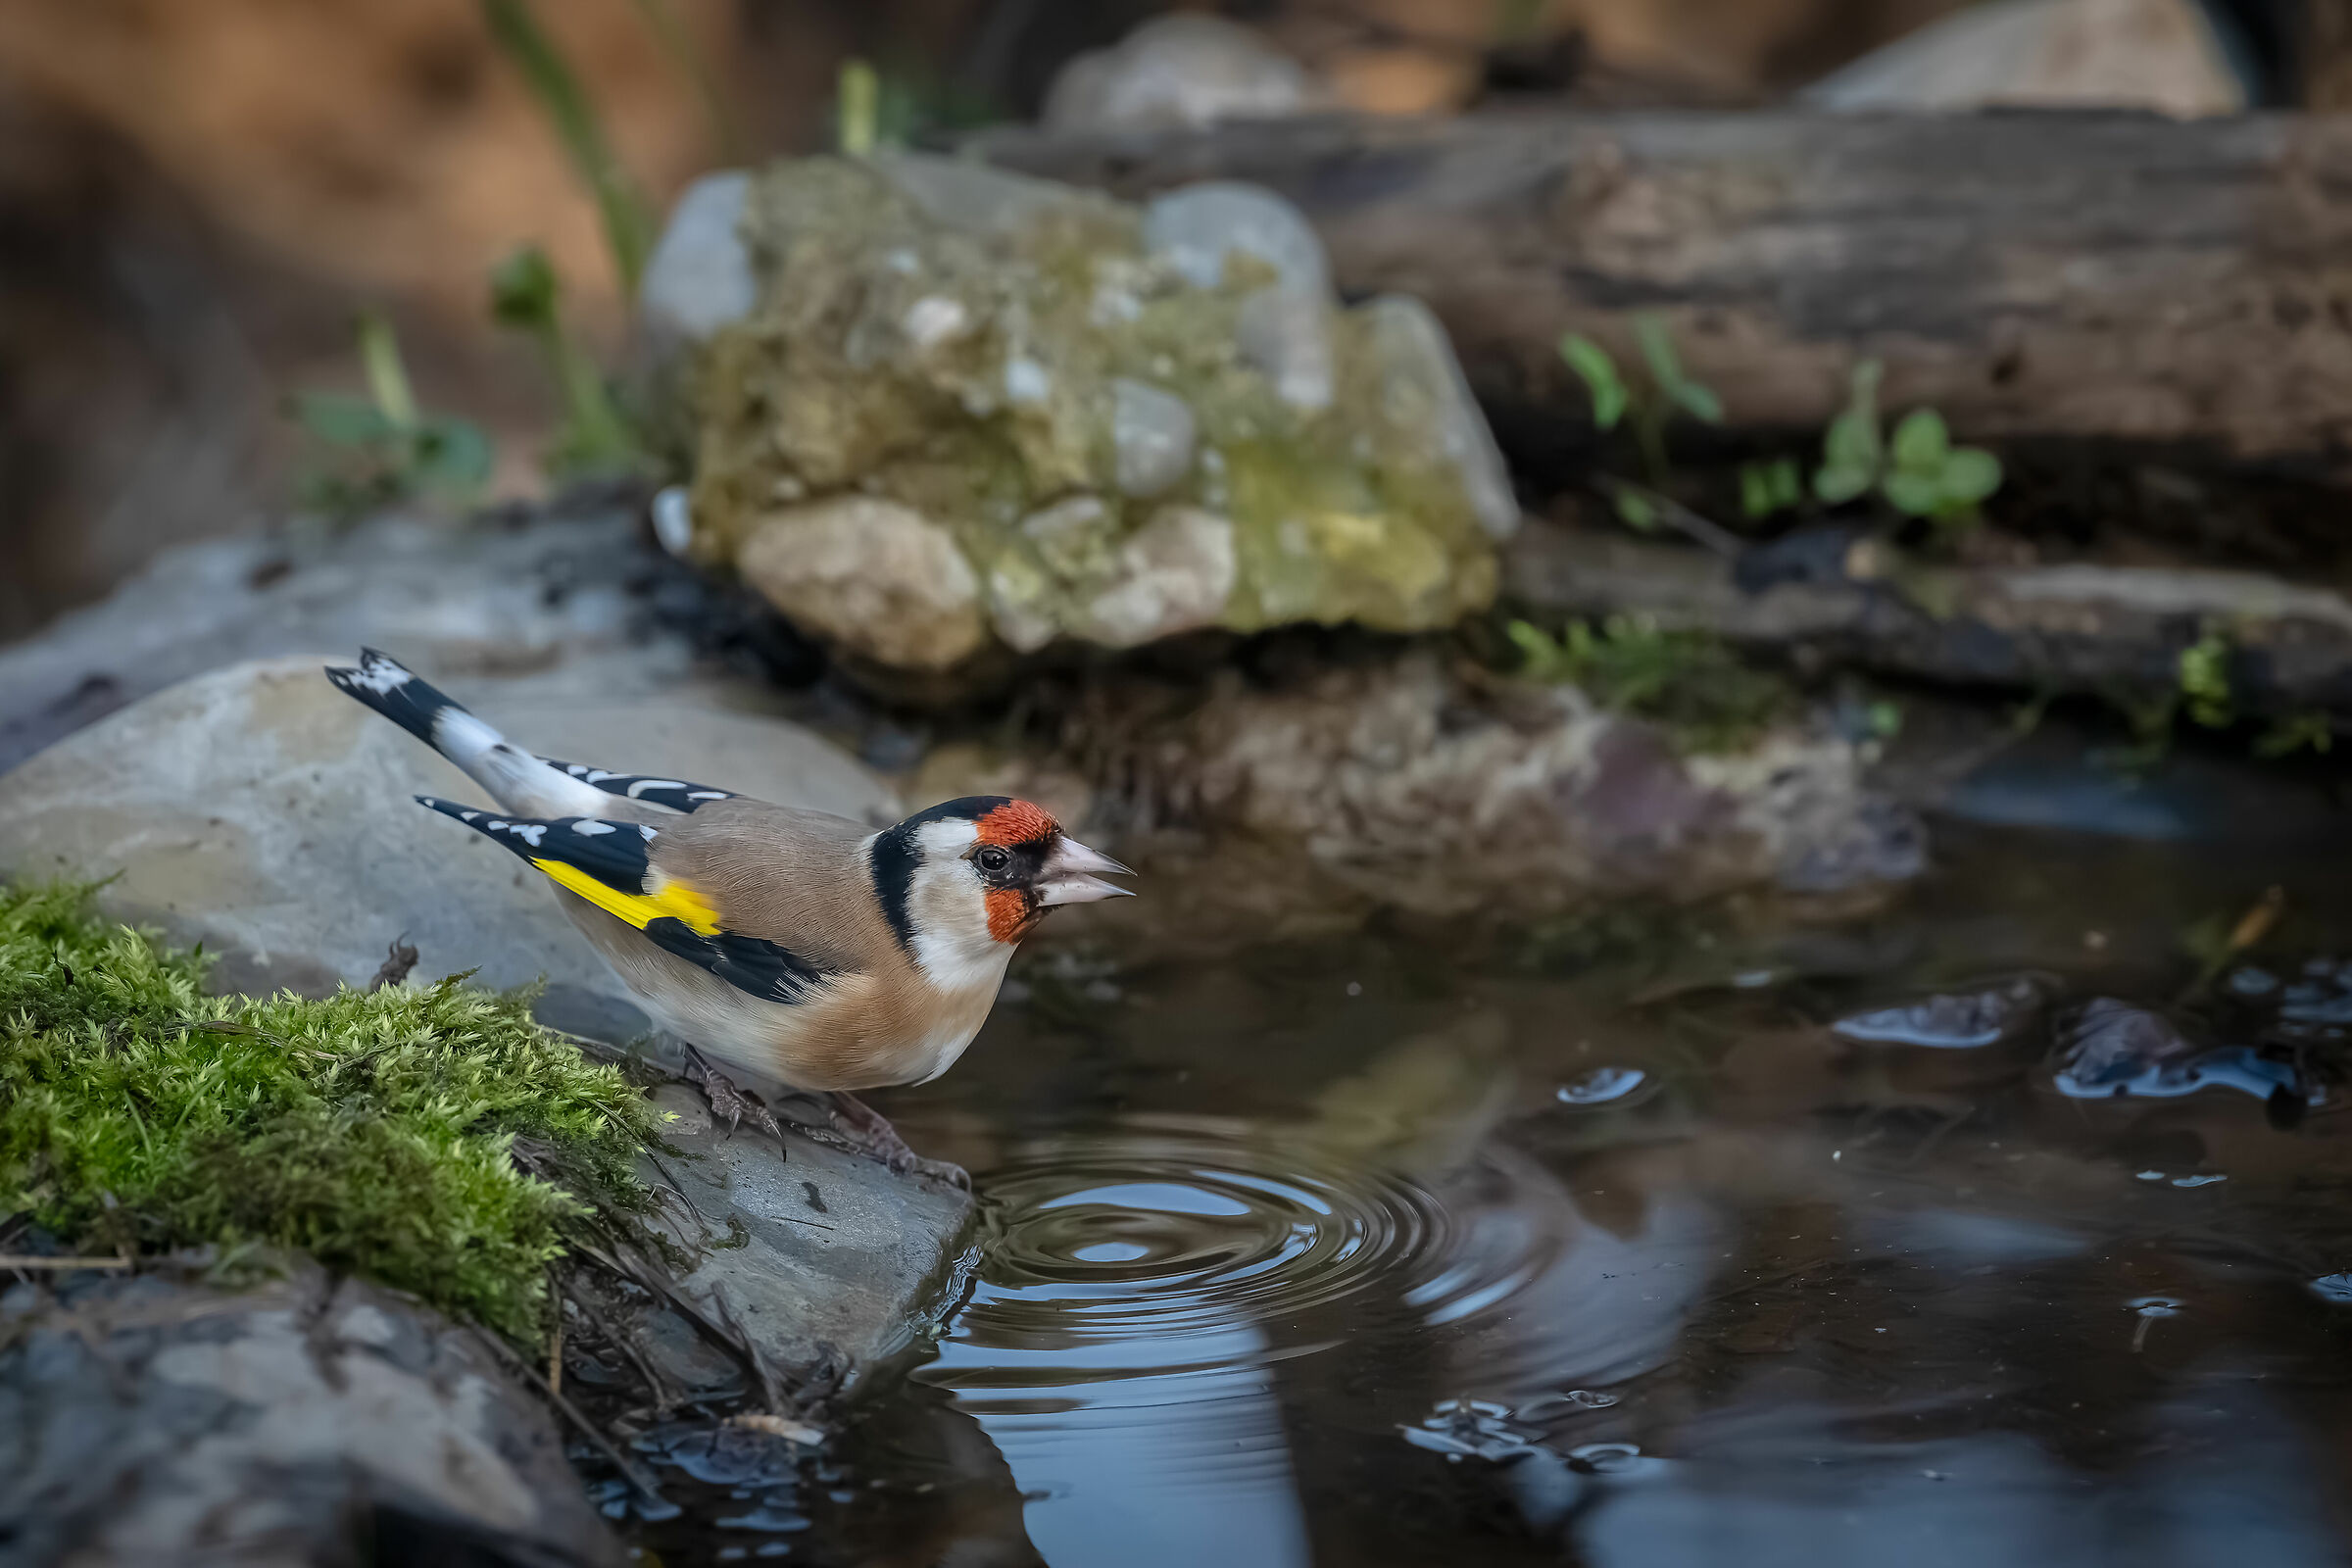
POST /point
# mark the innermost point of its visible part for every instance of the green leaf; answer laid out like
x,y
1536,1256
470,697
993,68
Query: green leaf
x,y
1971,474
1657,348
1699,402
454,455
1593,365
1915,495
523,291
1769,487
1851,450
341,420
1921,441
1636,511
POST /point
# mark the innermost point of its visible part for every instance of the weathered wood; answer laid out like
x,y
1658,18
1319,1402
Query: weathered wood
x,y
2111,631
2081,275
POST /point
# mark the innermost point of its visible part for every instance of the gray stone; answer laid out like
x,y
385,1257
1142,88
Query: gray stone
x,y
1173,575
877,578
306,1421
547,605
699,277
1196,228
1153,432
2161,55
1423,387
837,1258
1180,70
1285,333
263,813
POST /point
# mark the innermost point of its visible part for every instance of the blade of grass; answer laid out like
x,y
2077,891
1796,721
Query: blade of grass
x,y
859,108
387,376
628,222
661,20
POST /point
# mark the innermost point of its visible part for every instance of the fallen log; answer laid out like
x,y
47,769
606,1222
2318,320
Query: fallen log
x,y
2111,631
2104,276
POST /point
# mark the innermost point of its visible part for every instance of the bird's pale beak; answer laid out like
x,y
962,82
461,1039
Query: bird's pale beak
x,y
1069,876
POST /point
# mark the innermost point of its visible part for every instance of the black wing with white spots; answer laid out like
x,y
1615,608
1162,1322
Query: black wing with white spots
x,y
676,794
611,866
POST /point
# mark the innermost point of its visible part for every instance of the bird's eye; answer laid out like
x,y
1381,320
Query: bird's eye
x,y
992,859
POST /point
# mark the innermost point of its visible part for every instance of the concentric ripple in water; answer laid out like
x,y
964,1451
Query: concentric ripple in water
x,y
1140,1284
1167,1244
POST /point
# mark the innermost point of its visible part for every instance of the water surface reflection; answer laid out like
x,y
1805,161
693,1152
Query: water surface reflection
x,y
1527,1247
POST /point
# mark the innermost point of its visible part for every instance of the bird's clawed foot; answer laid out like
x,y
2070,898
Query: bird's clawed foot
x,y
870,1132
729,1104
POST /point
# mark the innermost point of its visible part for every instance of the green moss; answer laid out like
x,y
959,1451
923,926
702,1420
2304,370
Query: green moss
x,y
380,1132
1686,681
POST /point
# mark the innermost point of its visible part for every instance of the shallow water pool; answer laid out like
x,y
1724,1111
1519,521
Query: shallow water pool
x,y
1597,1242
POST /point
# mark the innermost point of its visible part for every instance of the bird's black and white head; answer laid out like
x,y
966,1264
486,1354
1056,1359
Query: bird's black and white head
x,y
961,883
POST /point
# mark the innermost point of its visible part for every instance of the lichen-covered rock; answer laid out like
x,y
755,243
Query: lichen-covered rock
x,y
879,578
971,406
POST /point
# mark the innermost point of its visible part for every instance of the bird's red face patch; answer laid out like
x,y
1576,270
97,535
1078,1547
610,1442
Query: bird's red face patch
x,y
1017,822
1009,915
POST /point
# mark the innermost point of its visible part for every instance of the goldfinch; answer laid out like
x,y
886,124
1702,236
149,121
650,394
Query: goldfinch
x,y
797,946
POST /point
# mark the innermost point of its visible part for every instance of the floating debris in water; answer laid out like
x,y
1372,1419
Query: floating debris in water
x,y
1604,1458
1959,1021
1601,1086
2317,1006
2250,982
1548,1406
2150,1308
1477,1429
2230,1067
2115,1048
2335,1288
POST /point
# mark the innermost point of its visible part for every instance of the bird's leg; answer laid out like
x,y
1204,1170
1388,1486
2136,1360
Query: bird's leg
x,y
727,1100
870,1132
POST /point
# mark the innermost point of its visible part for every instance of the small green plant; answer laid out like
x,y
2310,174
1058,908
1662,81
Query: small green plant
x,y
379,449
1921,473
1686,681
378,1131
1851,450
2204,680
628,219
857,109
2293,733
1768,488
1670,390
527,295
1931,479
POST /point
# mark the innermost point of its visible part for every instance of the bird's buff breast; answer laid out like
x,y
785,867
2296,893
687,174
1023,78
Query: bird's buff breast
x,y
852,1032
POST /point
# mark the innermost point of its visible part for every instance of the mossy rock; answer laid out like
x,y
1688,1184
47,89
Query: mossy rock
x,y
1102,440
385,1132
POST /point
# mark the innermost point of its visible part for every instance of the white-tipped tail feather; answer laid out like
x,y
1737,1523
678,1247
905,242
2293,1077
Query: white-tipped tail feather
x,y
518,781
